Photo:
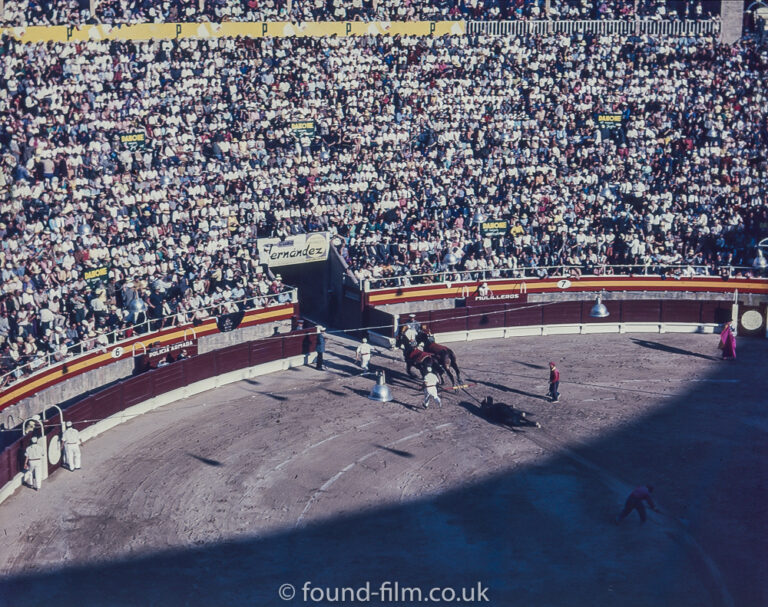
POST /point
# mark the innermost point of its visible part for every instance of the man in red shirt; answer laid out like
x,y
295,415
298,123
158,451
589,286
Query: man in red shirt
x,y
635,502
554,383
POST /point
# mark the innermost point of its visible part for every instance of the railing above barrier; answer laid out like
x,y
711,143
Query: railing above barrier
x,y
637,27
40,363
460,284
110,353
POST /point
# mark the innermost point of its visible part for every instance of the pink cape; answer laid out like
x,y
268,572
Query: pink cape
x,y
728,342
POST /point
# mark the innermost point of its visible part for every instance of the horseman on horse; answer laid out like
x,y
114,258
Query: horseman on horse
x,y
442,353
414,356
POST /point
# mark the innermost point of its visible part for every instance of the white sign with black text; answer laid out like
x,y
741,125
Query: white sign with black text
x,y
300,248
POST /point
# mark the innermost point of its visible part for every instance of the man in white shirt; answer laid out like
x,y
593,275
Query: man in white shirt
x,y
34,463
363,354
412,329
430,382
72,441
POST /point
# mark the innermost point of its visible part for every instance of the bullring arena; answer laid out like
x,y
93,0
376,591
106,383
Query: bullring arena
x,y
204,201
297,478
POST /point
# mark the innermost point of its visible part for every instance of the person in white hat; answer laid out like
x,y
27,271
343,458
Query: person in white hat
x,y
430,382
34,463
412,329
363,354
72,442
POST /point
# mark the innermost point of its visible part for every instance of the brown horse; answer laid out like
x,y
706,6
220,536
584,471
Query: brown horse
x,y
415,357
442,353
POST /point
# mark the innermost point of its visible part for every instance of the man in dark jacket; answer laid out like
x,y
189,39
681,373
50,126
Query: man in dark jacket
x,y
635,502
554,383
320,347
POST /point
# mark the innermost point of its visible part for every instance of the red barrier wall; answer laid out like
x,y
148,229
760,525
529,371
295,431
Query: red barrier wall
x,y
142,387
577,312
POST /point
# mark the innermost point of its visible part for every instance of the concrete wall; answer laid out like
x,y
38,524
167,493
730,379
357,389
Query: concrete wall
x,y
222,340
732,16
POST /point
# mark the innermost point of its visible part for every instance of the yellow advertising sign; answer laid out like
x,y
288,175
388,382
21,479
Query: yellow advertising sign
x,y
259,29
96,273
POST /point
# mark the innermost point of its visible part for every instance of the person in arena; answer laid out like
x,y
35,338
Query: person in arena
x,y
635,502
554,383
727,343
430,383
363,354
72,441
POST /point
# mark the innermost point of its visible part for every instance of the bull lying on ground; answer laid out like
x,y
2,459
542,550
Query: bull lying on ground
x,y
506,415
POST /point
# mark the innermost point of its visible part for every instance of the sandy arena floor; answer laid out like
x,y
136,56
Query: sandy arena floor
x,y
296,478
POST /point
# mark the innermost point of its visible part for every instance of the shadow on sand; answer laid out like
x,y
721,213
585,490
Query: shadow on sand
x,y
529,534
654,345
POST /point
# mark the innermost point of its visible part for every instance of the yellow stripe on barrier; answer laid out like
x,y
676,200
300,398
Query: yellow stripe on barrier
x,y
209,326
535,286
259,29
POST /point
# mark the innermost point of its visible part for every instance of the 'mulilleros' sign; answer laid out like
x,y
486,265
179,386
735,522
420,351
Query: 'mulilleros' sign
x,y
301,248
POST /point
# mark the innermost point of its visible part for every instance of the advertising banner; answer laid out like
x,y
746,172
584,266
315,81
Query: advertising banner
x,y
609,121
134,140
158,356
494,227
484,300
303,128
255,29
485,295
301,248
93,275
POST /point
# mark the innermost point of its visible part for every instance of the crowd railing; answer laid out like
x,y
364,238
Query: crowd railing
x,y
562,271
605,27
37,365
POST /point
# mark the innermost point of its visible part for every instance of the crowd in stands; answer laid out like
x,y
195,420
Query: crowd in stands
x,y
74,12
416,140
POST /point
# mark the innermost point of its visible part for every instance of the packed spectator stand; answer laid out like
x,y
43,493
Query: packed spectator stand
x,y
418,139
67,12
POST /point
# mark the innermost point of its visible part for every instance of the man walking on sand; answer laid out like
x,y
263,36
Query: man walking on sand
x,y
554,383
635,502
34,462
429,383
363,354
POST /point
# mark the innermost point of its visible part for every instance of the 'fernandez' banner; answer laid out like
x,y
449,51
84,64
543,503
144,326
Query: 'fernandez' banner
x,y
301,248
